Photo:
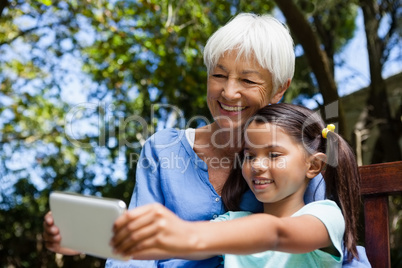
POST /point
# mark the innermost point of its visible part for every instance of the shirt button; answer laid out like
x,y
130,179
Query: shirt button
x,y
217,199
215,216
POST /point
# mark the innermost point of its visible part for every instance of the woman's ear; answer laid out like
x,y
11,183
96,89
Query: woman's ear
x,y
281,90
317,162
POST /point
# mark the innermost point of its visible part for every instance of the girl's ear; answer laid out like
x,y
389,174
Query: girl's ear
x,y
317,162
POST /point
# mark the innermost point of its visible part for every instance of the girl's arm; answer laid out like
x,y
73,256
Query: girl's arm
x,y
154,232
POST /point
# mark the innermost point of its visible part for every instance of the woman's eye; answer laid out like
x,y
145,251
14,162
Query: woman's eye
x,y
218,75
248,81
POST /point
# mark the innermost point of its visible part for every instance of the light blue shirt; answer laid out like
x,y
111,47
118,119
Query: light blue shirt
x,y
326,211
171,173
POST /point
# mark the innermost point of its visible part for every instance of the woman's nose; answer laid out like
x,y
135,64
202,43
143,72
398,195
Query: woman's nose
x,y
231,90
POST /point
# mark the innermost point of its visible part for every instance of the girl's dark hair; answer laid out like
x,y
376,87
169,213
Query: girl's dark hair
x,y
340,173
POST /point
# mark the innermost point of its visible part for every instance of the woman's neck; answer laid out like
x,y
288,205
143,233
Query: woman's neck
x,y
218,142
218,149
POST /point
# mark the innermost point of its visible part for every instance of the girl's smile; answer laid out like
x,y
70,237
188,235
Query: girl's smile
x,y
261,183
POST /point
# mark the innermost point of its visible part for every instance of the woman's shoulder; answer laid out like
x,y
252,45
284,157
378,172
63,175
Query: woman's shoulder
x,y
170,139
166,136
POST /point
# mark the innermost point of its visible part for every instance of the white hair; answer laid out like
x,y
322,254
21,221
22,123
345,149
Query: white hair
x,y
260,36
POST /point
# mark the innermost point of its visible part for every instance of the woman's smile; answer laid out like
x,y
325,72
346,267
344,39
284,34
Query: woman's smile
x,y
232,108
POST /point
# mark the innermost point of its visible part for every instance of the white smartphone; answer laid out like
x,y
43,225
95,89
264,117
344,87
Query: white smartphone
x,y
86,222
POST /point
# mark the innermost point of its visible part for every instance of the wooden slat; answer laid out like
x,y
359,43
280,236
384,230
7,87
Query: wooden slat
x,y
381,178
378,181
377,230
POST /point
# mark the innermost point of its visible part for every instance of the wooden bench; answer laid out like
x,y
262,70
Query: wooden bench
x,y
378,181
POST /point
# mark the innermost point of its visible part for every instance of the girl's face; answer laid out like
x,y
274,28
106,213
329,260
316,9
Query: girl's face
x,y
237,89
275,165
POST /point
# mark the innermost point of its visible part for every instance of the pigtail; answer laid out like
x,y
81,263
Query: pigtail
x,y
342,181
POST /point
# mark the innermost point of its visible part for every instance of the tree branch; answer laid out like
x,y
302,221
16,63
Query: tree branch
x,y
22,33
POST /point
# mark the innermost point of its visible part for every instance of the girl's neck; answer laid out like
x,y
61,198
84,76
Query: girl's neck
x,y
285,207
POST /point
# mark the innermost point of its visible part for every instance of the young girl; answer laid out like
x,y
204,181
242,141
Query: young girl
x,y
285,146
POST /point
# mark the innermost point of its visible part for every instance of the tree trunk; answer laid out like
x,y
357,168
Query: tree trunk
x,y
387,147
317,58
3,5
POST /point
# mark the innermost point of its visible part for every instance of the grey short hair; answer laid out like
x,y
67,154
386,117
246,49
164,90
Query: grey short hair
x,y
259,36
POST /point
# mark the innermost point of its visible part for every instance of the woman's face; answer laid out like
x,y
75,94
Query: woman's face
x,y
237,89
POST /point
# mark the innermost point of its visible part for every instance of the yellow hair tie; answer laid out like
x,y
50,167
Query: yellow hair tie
x,y
330,127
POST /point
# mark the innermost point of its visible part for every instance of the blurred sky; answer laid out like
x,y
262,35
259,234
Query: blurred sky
x,y
356,58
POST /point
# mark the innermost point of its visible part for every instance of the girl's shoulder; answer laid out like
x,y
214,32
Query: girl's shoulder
x,y
325,205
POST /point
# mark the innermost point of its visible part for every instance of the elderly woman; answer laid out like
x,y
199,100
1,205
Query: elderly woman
x,y
250,63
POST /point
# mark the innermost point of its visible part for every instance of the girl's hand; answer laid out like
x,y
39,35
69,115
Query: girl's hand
x,y
153,232
52,238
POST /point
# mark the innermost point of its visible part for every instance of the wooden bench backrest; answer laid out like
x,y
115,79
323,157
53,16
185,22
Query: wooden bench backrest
x,y
378,181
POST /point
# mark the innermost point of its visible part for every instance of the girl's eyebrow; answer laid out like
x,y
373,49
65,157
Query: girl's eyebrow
x,y
270,146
